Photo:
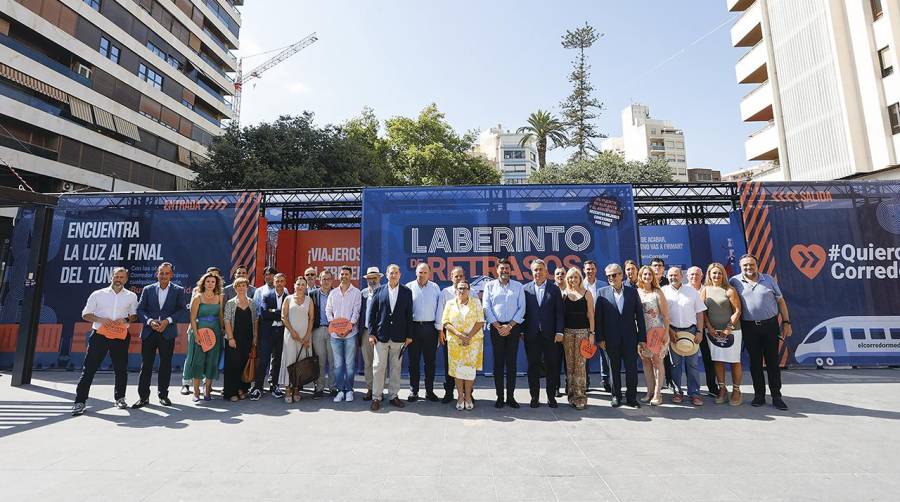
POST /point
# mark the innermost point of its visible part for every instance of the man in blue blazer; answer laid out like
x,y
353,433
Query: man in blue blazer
x,y
544,320
390,331
271,337
619,319
162,304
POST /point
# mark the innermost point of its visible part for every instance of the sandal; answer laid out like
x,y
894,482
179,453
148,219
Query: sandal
x,y
470,405
723,395
196,398
460,406
736,398
647,398
656,401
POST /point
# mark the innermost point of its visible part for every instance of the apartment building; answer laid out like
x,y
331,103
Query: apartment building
x,y
824,86
112,94
646,138
504,149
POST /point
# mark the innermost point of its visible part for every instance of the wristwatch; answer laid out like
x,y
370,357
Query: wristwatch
x,y
785,322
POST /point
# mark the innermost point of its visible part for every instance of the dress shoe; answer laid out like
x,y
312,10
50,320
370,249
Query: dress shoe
x,y
606,387
431,396
758,401
498,403
551,402
185,390
559,394
512,403
413,397
535,403
78,409
140,403
448,396
368,396
376,405
397,402
615,402
779,403
633,403
121,404
164,400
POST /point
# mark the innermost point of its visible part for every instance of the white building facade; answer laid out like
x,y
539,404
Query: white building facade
x,y
504,149
825,86
645,138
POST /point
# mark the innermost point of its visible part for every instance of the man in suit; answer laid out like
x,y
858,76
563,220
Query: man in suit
x,y
373,281
271,337
390,330
619,318
544,319
161,305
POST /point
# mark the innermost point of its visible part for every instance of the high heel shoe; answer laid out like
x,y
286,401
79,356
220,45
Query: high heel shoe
x,y
723,395
657,400
736,398
470,405
646,399
460,406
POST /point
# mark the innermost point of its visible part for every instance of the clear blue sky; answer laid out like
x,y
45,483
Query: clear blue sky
x,y
490,62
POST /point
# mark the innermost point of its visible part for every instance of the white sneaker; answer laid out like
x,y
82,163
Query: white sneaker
x,y
348,396
339,397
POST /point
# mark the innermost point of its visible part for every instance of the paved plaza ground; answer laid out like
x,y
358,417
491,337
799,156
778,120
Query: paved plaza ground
x,y
839,441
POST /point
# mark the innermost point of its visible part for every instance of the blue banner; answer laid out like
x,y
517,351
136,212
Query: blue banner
x,y
93,234
688,245
835,251
474,227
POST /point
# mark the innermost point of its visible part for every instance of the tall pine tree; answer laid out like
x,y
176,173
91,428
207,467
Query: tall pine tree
x,y
581,108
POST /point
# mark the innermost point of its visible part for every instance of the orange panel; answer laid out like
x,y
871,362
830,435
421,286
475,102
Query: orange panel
x,y
48,336
8,334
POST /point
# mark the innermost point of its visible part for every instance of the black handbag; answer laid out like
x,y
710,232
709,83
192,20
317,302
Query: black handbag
x,y
305,370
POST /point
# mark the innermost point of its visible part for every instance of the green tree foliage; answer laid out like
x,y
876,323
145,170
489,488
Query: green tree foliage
x,y
581,108
427,151
293,151
545,128
607,167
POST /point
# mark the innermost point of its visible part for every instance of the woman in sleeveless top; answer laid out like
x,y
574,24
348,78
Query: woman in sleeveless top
x,y
656,316
578,305
206,312
297,315
241,326
723,313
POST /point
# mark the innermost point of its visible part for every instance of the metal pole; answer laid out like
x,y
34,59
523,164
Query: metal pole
x,y
31,300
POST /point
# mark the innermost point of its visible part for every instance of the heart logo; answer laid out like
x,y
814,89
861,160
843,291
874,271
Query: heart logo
x,y
809,260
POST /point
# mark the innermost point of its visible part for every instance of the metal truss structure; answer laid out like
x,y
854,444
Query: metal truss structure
x,y
655,203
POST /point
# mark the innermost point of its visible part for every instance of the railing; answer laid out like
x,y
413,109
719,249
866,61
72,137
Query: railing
x,y
28,99
757,44
40,151
770,125
756,89
211,91
223,16
208,117
43,59
215,66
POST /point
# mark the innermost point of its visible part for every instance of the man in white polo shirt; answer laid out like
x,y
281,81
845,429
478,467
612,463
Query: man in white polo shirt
x,y
110,310
685,314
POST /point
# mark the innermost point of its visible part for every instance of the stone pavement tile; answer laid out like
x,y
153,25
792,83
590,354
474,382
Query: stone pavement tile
x,y
453,465
412,488
467,489
581,488
675,487
521,488
817,487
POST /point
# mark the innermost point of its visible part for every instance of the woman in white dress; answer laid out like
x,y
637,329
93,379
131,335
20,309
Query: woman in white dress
x,y
297,315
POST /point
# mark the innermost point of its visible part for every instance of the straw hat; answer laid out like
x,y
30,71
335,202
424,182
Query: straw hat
x,y
684,344
373,272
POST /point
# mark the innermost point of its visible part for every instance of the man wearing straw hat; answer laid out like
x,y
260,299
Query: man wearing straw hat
x,y
685,315
373,280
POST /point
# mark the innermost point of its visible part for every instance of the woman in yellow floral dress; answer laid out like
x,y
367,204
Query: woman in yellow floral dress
x,y
463,323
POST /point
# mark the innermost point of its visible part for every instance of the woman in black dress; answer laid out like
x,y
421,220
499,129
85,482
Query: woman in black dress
x,y
240,335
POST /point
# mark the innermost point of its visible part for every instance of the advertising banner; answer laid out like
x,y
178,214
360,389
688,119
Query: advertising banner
x,y
688,245
93,234
474,227
835,250
319,249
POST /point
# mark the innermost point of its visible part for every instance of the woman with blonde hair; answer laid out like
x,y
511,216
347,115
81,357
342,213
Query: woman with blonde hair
x,y
578,305
206,313
722,317
241,326
656,316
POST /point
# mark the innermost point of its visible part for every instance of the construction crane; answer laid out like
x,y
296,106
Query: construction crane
x,y
282,56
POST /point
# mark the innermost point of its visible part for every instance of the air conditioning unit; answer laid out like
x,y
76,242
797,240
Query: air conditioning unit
x,y
82,70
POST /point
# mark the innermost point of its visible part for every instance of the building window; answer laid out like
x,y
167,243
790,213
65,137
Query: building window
x,y
95,4
876,8
151,77
162,55
885,56
109,50
894,114
513,154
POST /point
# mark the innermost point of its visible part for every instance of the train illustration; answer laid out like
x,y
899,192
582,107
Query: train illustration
x,y
852,340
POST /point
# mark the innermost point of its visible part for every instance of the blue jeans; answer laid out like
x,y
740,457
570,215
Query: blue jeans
x,y
344,350
691,365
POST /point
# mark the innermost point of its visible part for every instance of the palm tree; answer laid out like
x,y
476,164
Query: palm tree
x,y
543,126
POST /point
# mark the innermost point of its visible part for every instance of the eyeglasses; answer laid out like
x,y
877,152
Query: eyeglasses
x,y
610,276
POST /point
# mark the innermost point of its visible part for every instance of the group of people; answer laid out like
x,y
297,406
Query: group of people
x,y
674,327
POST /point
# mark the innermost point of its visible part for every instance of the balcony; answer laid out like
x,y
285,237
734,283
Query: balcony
x,y
739,5
747,31
43,59
763,144
751,68
757,104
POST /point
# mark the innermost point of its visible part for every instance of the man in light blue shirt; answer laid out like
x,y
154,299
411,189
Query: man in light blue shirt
x,y
594,285
426,324
504,309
